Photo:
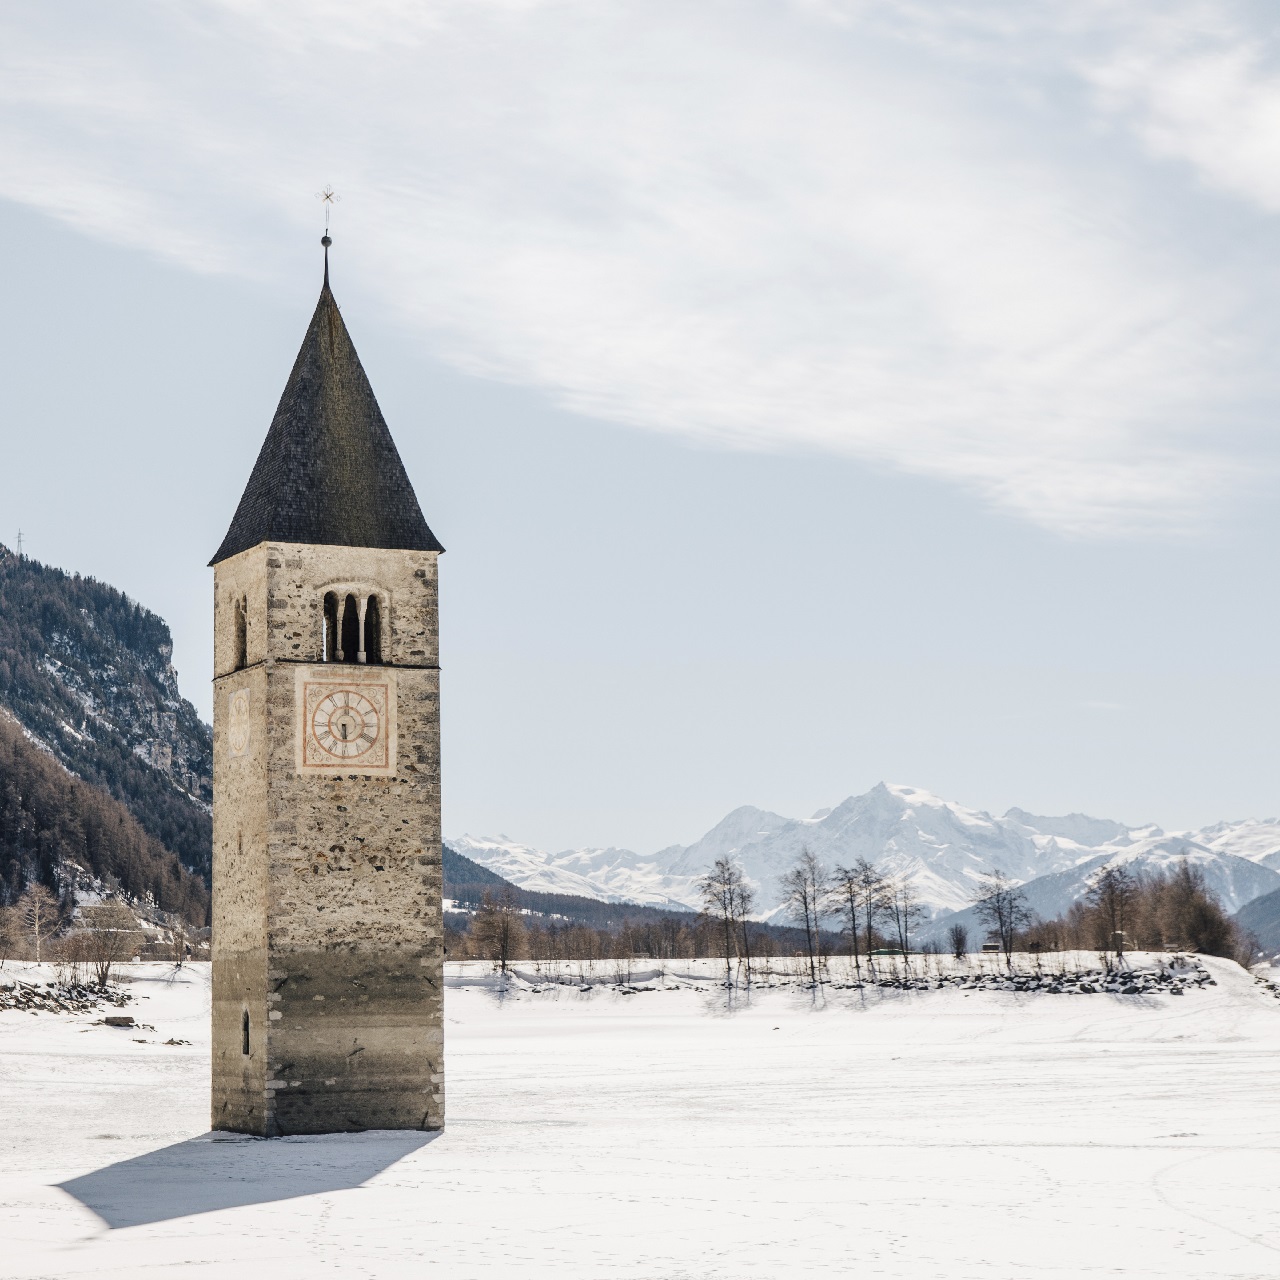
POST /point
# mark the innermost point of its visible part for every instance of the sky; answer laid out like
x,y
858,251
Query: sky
x,y
807,393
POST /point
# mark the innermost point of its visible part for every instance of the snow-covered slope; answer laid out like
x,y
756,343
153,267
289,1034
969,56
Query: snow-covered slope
x,y
612,875
940,846
1254,838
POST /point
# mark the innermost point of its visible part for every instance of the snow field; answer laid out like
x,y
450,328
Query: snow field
x,y
677,1131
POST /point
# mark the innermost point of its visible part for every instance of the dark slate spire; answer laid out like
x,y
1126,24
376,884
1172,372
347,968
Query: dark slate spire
x,y
328,472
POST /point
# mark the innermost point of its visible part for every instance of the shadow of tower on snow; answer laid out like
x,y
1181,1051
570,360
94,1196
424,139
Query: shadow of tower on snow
x,y
225,1171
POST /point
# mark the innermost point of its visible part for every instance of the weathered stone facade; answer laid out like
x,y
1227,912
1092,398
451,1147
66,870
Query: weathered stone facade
x,y
327,928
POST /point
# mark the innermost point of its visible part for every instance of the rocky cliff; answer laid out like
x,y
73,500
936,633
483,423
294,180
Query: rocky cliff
x,y
87,673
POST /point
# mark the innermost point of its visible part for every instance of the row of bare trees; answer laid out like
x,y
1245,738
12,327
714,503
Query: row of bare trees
x,y
1123,910
102,936
875,912
1148,911
872,911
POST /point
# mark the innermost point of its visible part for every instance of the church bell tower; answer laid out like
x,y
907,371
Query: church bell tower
x,y
327,931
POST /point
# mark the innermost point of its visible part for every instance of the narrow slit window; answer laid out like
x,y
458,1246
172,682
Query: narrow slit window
x,y
373,631
329,646
244,1033
350,631
242,633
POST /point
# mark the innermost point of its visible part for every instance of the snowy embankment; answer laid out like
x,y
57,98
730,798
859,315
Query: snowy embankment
x,y
1063,973
657,1125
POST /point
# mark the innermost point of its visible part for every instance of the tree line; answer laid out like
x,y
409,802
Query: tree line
x,y
99,937
504,930
1150,910
1122,910
873,914
859,911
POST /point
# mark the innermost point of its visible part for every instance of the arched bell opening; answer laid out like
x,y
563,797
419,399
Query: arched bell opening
x,y
350,631
329,640
373,631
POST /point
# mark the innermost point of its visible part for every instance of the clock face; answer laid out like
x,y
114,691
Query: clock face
x,y
345,724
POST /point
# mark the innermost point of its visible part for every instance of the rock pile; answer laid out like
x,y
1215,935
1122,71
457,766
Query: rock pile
x,y
1126,982
1273,987
58,997
1173,976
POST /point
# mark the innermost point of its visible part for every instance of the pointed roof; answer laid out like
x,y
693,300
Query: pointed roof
x,y
328,472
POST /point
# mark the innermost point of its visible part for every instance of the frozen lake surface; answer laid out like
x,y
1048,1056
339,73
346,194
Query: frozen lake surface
x,y
593,1134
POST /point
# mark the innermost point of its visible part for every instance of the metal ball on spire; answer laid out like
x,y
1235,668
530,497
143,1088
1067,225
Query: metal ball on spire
x,y
328,197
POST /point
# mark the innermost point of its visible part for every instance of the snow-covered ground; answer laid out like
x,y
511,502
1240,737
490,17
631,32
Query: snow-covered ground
x,y
669,1133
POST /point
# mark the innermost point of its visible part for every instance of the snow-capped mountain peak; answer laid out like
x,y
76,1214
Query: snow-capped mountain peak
x,y
942,847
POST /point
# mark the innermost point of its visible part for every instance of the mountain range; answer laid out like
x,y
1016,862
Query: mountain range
x,y
942,847
87,679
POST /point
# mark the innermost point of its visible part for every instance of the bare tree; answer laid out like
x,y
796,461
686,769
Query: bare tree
x,y
721,890
10,933
806,890
498,928
847,893
872,899
958,937
111,937
1114,893
38,911
1247,948
72,955
744,900
1002,907
906,910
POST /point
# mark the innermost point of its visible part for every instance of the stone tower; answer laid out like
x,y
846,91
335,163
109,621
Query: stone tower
x,y
327,929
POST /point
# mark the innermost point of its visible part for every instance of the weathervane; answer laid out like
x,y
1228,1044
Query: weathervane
x,y
328,197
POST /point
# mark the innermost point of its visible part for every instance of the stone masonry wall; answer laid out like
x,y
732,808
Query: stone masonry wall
x,y
240,894
350,864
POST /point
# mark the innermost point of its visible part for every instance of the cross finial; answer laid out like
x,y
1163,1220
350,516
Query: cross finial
x,y
328,197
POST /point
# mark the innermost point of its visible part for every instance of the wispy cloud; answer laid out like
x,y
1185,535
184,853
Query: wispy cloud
x,y
1015,252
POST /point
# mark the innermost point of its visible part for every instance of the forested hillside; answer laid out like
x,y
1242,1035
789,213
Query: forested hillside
x,y
51,821
87,672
